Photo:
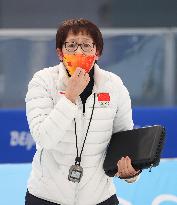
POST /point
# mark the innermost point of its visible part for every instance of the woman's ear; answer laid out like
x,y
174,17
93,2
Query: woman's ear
x,y
59,54
97,55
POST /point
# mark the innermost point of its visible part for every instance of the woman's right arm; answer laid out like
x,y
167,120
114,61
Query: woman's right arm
x,y
47,122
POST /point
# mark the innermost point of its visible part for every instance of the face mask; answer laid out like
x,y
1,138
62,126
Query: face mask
x,y
72,61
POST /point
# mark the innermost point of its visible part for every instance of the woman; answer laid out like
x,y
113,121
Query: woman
x,y
73,109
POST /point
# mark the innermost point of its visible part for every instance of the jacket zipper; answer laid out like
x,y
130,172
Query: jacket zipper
x,y
76,193
83,129
83,124
40,159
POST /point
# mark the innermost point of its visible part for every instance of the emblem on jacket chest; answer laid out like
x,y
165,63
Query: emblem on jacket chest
x,y
103,99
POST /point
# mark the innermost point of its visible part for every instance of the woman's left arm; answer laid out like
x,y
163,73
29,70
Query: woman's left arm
x,y
123,118
123,121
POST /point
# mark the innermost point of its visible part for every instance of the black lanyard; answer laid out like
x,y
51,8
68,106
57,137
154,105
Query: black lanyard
x,y
78,158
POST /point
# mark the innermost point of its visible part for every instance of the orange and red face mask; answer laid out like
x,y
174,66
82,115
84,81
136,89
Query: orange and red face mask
x,y
72,61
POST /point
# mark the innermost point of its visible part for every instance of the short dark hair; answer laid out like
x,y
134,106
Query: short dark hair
x,y
76,26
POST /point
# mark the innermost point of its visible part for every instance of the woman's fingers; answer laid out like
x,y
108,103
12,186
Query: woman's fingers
x,y
125,169
81,75
130,169
77,72
121,167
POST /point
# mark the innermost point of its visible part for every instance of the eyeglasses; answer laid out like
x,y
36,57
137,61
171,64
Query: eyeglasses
x,y
73,46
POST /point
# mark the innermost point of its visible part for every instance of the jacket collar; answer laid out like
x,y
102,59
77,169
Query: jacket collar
x,y
99,78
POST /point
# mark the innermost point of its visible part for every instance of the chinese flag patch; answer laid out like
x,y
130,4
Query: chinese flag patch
x,y
103,97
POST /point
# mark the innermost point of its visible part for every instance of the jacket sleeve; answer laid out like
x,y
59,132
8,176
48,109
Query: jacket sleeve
x,y
47,122
133,179
123,118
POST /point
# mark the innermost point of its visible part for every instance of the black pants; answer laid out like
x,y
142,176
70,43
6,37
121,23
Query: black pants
x,y
33,200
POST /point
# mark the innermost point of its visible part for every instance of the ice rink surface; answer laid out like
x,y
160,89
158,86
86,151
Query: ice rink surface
x,y
156,188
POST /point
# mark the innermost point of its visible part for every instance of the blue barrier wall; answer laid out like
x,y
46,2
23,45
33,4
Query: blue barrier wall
x,y
17,146
156,188
160,116
16,143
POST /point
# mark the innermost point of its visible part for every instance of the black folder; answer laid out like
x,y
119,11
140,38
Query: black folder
x,y
143,145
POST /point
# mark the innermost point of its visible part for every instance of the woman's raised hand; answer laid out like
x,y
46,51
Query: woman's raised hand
x,y
76,84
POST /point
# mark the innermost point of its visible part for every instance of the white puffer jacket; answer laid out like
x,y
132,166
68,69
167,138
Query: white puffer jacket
x,y
51,116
